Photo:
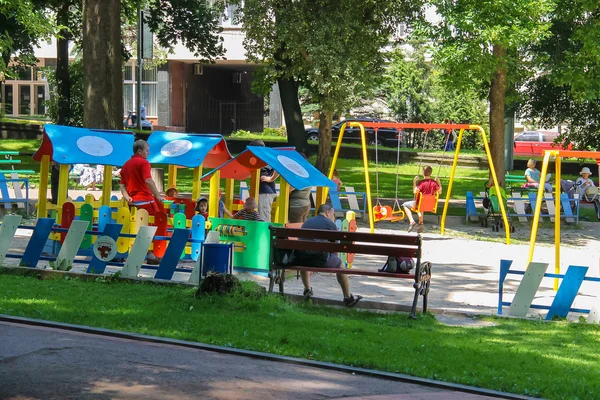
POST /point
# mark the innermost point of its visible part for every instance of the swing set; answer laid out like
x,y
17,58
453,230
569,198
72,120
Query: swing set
x,y
423,203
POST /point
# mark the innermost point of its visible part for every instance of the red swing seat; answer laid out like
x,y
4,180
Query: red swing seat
x,y
426,203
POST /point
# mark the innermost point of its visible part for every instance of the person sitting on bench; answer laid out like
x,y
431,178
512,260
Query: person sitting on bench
x,y
584,187
532,176
323,221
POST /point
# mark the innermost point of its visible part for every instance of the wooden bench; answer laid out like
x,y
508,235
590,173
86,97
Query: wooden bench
x,y
284,240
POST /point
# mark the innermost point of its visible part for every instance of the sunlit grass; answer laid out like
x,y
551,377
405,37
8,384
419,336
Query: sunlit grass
x,y
551,360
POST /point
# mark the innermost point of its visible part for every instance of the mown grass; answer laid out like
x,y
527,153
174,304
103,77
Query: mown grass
x,y
551,360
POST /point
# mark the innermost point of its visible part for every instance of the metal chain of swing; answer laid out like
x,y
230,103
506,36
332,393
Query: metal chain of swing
x,y
377,169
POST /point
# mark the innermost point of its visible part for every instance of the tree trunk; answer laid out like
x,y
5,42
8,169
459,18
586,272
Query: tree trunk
x,y
288,91
102,64
63,80
497,102
324,156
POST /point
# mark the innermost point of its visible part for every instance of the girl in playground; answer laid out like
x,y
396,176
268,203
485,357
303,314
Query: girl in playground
x,y
89,176
336,179
202,207
532,175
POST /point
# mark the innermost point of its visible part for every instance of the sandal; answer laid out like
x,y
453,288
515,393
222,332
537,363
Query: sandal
x,y
352,300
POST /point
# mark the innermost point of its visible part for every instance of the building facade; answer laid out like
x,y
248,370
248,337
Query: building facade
x,y
180,95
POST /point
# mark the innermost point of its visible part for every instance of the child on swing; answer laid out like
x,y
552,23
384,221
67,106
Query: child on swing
x,y
426,186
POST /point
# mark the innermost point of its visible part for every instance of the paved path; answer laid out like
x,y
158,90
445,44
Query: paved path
x,y
57,364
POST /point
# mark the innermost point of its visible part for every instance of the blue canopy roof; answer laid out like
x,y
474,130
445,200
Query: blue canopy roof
x,y
286,161
70,145
188,150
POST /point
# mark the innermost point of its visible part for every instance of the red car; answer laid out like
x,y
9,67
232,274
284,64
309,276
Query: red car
x,y
533,143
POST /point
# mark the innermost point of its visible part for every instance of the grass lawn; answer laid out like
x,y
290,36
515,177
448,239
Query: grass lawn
x,y
551,360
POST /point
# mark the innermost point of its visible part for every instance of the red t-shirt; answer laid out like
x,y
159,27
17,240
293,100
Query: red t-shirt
x,y
133,175
428,186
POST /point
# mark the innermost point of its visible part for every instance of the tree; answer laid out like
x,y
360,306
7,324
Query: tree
x,y
102,64
338,58
22,24
488,44
193,22
567,91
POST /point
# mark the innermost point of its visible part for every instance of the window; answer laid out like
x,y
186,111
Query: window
x,y
149,99
528,137
549,137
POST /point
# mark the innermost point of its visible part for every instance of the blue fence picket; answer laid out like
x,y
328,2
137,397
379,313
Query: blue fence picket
x,y
172,254
36,244
97,266
567,291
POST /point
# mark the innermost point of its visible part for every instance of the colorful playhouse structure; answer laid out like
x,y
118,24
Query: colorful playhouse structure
x,y
251,238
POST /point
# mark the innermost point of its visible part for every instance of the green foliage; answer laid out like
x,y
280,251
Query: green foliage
x,y
338,60
194,23
23,24
415,93
494,357
567,92
75,117
272,133
464,37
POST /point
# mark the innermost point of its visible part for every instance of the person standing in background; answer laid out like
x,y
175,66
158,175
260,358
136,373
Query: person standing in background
x,y
266,191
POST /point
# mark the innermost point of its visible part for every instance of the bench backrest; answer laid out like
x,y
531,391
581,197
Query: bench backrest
x,y
346,242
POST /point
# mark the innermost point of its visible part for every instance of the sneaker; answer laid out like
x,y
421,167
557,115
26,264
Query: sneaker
x,y
412,226
351,300
308,293
420,228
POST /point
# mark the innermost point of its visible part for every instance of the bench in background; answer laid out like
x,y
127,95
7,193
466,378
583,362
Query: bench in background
x,y
284,240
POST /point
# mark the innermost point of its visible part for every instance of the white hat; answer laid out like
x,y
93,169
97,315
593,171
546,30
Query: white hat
x,y
585,170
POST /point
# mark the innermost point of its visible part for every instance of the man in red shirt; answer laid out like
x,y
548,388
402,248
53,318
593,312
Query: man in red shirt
x,y
137,186
426,186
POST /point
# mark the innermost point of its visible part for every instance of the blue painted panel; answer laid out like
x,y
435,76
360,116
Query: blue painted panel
x,y
566,205
71,145
4,188
471,209
36,244
98,266
198,233
567,291
172,254
335,200
104,217
504,268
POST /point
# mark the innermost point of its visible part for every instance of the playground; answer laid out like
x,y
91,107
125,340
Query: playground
x,y
476,274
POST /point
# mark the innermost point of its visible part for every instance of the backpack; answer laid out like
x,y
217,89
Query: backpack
x,y
398,265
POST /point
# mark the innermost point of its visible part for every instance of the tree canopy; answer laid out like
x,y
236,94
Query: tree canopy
x,y
488,44
22,24
333,48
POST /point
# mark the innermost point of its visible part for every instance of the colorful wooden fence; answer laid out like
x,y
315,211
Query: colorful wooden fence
x,y
562,303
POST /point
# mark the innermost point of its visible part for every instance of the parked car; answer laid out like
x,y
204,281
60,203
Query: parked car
x,y
533,143
385,136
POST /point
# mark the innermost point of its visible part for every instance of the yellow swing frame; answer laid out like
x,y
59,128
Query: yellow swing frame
x,y
322,192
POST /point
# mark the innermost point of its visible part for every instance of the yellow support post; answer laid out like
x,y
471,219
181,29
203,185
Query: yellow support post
x,y
196,183
229,188
63,182
213,200
538,205
363,141
107,185
449,188
254,184
42,211
283,201
557,163
172,181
